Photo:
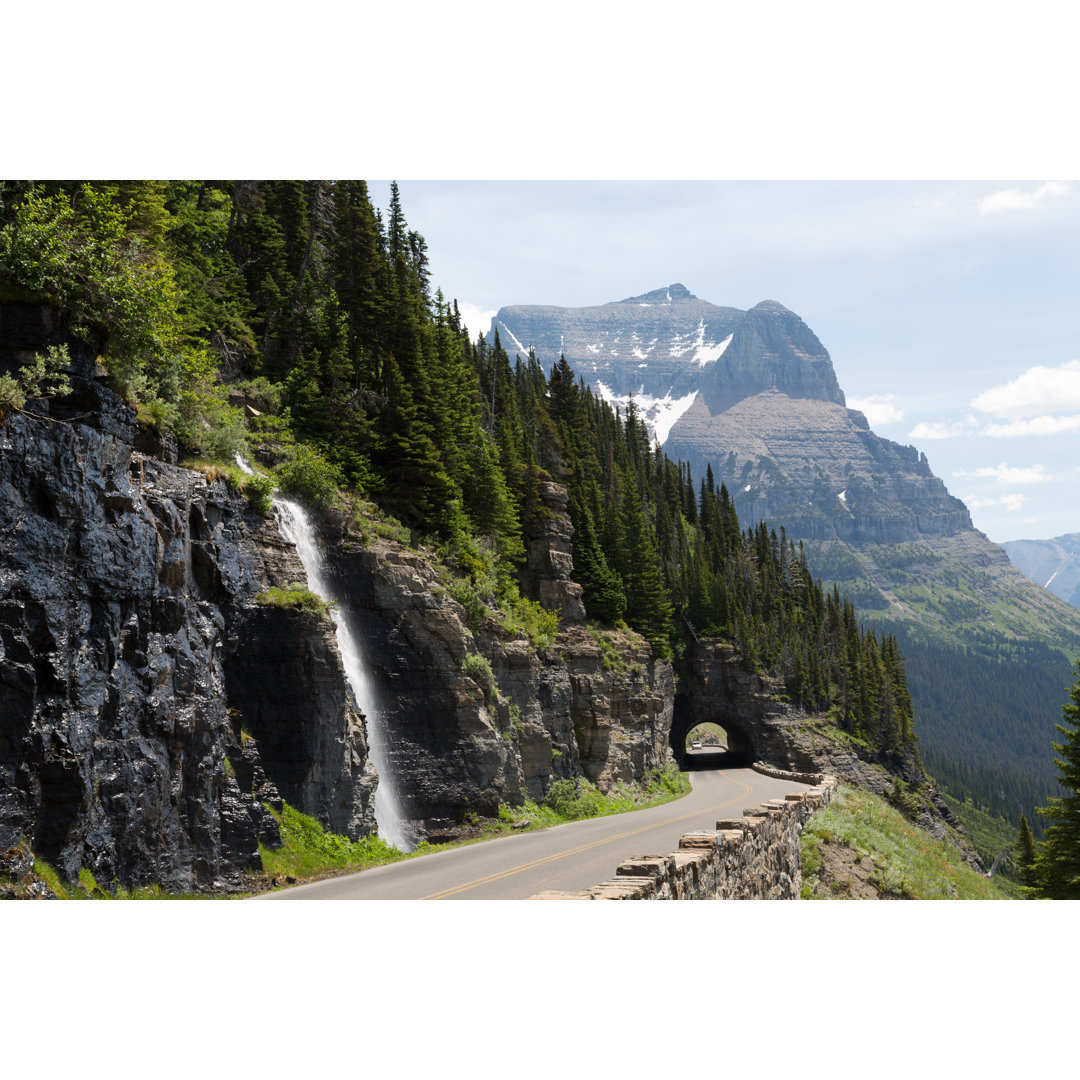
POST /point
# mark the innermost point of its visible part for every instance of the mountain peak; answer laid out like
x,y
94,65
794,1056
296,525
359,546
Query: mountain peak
x,y
666,295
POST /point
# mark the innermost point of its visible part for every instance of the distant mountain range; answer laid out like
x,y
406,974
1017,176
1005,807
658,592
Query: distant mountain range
x,y
1054,564
753,396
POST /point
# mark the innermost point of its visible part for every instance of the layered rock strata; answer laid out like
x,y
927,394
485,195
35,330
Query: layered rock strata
x,y
549,564
461,740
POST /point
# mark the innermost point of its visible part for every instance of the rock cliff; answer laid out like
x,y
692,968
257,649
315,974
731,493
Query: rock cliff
x,y
135,663
476,715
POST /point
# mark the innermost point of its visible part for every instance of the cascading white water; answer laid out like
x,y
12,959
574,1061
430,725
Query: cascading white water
x,y
296,526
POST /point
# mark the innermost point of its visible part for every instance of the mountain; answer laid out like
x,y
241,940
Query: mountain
x,y
752,395
1054,564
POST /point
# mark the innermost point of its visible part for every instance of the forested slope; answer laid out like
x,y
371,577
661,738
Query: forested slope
x,y
292,321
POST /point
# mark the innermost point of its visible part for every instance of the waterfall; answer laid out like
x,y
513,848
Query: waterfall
x,y
296,526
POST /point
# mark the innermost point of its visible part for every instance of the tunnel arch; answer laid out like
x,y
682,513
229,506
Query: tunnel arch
x,y
740,745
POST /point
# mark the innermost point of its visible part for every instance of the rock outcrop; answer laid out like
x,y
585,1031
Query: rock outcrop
x,y
477,716
547,576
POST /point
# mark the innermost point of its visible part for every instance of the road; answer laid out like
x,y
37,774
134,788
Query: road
x,y
567,858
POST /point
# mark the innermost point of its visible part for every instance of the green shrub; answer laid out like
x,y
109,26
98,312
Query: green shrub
x,y
44,376
527,616
311,478
79,250
468,596
574,802
259,490
478,668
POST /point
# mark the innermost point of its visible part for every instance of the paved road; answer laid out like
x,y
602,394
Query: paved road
x,y
566,858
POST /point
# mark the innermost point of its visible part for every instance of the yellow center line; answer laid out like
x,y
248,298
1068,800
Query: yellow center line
x,y
585,847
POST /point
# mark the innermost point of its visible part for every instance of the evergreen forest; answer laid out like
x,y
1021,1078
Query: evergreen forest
x,y
294,322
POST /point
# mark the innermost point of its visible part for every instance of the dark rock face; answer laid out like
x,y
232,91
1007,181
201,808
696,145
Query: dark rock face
x,y
27,329
289,669
126,615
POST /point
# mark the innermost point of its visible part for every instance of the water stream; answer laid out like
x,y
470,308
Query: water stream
x,y
297,527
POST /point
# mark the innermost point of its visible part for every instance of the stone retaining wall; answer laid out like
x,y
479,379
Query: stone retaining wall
x,y
755,857
785,774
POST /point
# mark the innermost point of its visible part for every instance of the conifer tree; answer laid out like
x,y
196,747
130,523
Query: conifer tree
x,y
1057,865
1026,853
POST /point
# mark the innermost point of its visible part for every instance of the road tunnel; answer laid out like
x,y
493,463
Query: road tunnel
x,y
714,741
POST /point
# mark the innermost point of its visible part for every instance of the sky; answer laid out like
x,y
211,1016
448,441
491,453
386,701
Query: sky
x,y
948,308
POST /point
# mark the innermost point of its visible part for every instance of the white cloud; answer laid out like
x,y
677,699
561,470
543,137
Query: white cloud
x,y
1039,391
1037,425
1012,502
878,408
476,319
1015,199
944,429
1009,474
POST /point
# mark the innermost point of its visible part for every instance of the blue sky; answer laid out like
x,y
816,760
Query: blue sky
x,y
948,308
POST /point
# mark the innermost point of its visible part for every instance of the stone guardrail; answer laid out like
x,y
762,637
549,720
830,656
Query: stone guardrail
x,y
755,857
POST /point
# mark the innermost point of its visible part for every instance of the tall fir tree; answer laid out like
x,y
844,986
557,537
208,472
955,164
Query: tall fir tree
x,y
1057,865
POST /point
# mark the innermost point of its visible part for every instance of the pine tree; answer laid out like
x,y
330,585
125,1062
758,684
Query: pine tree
x,y
1026,853
1057,865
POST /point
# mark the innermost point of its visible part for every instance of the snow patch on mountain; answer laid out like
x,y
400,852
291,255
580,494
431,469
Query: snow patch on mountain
x,y
709,354
517,343
659,414
702,352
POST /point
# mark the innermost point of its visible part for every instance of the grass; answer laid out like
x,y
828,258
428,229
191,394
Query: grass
x,y
309,852
297,596
568,800
989,835
897,858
